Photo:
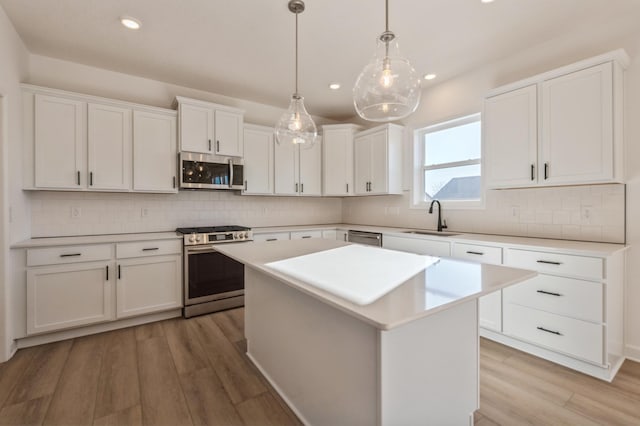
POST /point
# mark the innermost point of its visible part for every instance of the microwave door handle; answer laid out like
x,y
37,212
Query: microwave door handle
x,y
230,172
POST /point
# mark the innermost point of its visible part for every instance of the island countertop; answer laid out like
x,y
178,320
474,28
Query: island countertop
x,y
439,287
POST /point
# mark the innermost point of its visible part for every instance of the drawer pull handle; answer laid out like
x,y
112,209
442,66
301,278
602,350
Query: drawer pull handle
x,y
71,255
272,239
548,292
479,253
306,236
549,262
151,249
557,333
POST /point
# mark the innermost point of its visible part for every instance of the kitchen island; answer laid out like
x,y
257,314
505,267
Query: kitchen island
x,y
409,357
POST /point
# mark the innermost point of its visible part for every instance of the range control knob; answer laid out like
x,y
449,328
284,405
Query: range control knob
x,y
198,238
192,238
240,236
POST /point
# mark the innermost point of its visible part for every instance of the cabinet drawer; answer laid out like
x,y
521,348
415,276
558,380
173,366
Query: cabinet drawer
x,y
300,235
68,254
273,236
555,263
417,245
573,337
148,248
559,295
478,253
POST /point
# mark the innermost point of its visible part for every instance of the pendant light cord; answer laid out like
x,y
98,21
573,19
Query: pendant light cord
x,y
386,15
296,54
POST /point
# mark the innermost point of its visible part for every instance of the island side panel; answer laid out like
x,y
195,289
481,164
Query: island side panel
x,y
429,369
322,361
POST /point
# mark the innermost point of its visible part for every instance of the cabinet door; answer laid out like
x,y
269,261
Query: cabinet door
x,y
286,165
109,147
60,142
337,164
311,169
258,161
417,245
272,236
362,170
196,128
511,138
379,163
154,152
148,284
577,123
65,296
228,129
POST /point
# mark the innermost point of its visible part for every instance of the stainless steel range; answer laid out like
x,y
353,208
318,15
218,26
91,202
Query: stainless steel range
x,y
212,281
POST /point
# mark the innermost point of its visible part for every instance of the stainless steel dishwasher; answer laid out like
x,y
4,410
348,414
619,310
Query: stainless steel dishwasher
x,y
366,238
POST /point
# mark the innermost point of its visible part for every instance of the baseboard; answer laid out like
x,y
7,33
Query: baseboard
x,y
632,352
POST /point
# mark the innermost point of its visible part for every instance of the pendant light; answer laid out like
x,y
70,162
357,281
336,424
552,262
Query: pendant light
x,y
388,88
296,125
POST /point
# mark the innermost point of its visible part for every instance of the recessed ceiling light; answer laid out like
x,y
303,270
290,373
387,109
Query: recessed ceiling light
x,y
429,76
334,86
131,23
486,1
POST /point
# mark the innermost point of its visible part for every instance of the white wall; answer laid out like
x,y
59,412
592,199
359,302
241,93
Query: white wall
x,y
13,69
463,96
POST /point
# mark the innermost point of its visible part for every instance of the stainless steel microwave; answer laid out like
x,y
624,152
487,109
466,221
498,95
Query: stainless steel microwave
x,y
205,171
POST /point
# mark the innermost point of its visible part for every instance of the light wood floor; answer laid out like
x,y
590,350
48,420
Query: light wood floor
x,y
184,372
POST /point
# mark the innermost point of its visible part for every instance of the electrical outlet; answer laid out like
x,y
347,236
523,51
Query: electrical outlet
x,y
144,212
76,212
515,211
586,212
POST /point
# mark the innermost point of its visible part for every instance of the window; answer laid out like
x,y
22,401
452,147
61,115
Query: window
x,y
447,159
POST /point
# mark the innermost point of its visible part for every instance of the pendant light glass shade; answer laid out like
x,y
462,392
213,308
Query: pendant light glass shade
x,y
388,88
296,125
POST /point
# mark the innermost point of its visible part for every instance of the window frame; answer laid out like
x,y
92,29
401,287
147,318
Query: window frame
x,y
419,199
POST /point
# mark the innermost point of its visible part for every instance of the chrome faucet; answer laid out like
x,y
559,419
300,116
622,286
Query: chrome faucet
x,y
441,226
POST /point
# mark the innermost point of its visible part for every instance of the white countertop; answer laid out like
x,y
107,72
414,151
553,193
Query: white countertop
x,y
584,248
443,285
549,245
95,239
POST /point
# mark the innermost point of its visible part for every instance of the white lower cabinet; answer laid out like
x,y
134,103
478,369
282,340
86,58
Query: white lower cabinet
x,y
417,245
342,235
303,235
272,236
69,295
148,284
489,306
330,234
75,286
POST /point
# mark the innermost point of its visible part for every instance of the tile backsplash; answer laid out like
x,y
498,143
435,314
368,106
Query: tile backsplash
x,y
91,213
583,213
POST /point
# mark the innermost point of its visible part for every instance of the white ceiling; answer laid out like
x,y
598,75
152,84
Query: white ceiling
x,y
244,48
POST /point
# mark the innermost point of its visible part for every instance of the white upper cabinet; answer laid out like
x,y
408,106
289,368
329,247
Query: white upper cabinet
x,y
81,142
298,171
155,151
210,128
59,142
511,130
378,160
563,127
109,147
577,131
337,159
196,128
228,130
258,160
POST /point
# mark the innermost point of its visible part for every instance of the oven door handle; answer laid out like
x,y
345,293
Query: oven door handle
x,y
200,249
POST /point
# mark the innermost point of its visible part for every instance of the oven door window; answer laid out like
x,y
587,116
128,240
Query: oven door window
x,y
213,273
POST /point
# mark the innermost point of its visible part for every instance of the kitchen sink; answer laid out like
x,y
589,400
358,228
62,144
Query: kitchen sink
x,y
435,233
